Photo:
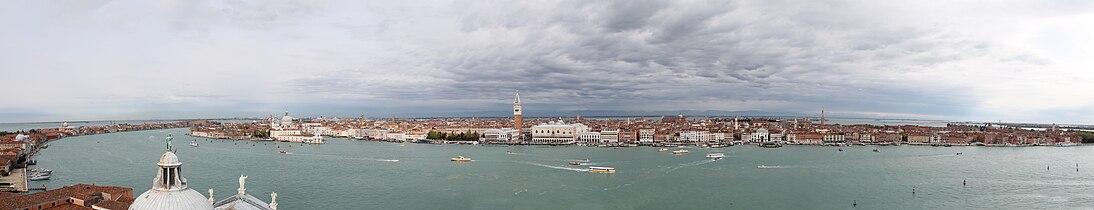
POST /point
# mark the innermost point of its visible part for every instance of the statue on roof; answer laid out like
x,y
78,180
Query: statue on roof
x,y
242,182
169,142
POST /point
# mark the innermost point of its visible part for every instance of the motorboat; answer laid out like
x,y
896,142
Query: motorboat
x,y
283,152
194,143
663,150
604,170
461,159
770,144
38,177
32,162
575,163
680,152
40,170
875,150
716,155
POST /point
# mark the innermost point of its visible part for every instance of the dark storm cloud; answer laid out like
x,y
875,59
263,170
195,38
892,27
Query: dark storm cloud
x,y
631,53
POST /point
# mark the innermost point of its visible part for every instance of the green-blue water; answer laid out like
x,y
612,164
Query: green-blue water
x,y
345,174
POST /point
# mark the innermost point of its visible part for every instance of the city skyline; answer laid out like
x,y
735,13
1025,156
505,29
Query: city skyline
x,y
1011,61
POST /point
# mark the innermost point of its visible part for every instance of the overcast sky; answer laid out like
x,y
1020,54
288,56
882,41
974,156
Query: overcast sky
x,y
1025,61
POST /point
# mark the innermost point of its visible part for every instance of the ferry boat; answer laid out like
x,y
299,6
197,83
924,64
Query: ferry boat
x,y
461,159
680,152
605,170
716,155
663,150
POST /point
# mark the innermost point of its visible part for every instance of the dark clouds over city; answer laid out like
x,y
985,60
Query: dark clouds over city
x,y
1026,61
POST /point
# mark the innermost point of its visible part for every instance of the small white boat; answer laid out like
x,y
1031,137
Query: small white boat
x,y
680,152
1065,144
283,152
193,143
716,155
663,150
461,159
604,170
38,177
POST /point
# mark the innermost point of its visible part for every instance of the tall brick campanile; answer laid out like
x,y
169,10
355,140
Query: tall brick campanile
x,y
518,121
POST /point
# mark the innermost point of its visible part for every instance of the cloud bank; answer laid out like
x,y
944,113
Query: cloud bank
x,y
959,60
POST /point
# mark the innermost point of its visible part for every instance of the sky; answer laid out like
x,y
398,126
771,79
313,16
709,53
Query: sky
x,y
1012,61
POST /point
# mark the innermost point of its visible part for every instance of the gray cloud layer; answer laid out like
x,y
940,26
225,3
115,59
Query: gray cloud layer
x,y
959,60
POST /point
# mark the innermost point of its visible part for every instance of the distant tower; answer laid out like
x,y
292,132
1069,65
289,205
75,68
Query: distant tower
x,y
822,116
518,121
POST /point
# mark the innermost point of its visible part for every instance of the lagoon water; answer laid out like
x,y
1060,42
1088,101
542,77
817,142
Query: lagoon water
x,y
345,174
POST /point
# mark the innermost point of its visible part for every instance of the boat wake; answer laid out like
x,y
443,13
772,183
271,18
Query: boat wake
x,y
347,158
771,167
556,167
693,163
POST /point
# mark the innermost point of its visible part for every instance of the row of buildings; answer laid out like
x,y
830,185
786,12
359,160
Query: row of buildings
x,y
673,129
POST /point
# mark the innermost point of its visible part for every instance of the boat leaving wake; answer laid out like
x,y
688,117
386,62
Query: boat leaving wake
x,y
771,167
556,167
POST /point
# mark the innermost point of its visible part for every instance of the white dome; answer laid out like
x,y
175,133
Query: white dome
x,y
169,159
170,200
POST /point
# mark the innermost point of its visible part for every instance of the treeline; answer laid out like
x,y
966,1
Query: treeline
x,y
1088,137
465,136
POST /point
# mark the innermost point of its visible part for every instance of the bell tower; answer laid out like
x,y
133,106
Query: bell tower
x,y
518,121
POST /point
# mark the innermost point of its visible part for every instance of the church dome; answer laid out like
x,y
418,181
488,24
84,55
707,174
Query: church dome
x,y
170,200
169,189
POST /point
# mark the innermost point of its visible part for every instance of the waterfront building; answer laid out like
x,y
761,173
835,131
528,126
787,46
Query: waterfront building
x,y
609,136
760,135
834,138
695,136
589,138
288,131
499,135
645,135
518,120
556,133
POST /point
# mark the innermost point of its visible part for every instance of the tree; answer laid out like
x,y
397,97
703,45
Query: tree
x,y
434,135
